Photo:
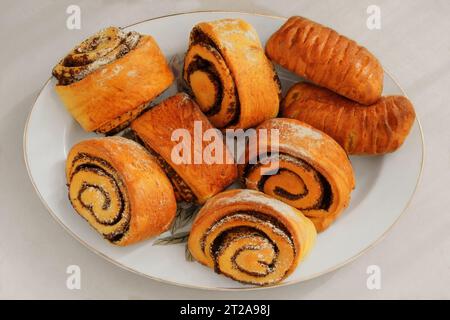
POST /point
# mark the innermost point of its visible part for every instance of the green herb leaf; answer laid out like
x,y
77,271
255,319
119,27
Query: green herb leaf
x,y
188,254
185,214
181,237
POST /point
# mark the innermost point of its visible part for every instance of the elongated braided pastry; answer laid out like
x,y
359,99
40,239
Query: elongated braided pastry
x,y
328,59
119,189
250,237
370,130
229,75
313,172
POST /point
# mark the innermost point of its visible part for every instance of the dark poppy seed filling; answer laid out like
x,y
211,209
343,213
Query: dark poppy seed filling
x,y
250,237
227,238
253,238
282,192
104,47
198,63
120,123
204,65
118,235
323,201
277,80
104,201
198,36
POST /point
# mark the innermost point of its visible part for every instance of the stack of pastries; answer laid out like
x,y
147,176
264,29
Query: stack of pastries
x,y
128,189
343,97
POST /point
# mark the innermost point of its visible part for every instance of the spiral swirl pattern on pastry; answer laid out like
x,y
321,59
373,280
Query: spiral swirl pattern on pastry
x,y
111,78
250,237
311,172
229,75
98,50
117,187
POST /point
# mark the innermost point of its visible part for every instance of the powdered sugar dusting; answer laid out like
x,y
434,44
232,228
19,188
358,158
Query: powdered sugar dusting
x,y
108,73
227,28
247,217
135,150
303,152
312,139
246,33
298,130
116,70
227,44
67,74
223,23
250,55
252,196
132,73
184,98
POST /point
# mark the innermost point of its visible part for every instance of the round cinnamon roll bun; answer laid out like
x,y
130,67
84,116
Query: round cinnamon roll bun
x,y
102,48
108,80
119,189
194,180
308,171
250,237
229,75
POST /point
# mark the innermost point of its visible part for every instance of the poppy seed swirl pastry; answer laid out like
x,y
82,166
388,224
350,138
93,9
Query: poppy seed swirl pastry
x,y
116,185
194,179
229,75
313,172
365,130
109,79
250,237
328,59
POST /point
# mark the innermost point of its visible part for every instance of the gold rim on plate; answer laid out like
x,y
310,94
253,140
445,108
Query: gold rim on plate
x,y
282,284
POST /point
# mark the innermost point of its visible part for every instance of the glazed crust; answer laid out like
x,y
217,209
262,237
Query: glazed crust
x,y
308,155
147,192
251,91
367,130
156,128
236,231
328,59
120,90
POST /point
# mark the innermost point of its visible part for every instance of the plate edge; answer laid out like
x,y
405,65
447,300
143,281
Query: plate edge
x,y
282,284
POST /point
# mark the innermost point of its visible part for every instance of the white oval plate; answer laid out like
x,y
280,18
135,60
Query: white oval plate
x,y
384,185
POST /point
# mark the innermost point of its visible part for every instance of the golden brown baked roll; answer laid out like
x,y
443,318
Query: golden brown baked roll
x,y
328,59
109,79
250,237
376,129
116,185
194,175
229,75
314,173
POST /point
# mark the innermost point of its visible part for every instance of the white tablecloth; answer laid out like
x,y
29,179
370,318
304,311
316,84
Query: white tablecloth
x,y
413,43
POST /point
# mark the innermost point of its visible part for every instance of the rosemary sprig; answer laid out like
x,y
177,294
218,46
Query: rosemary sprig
x,y
188,255
181,237
176,64
185,214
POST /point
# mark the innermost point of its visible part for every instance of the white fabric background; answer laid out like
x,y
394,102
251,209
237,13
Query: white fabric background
x,y
413,44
